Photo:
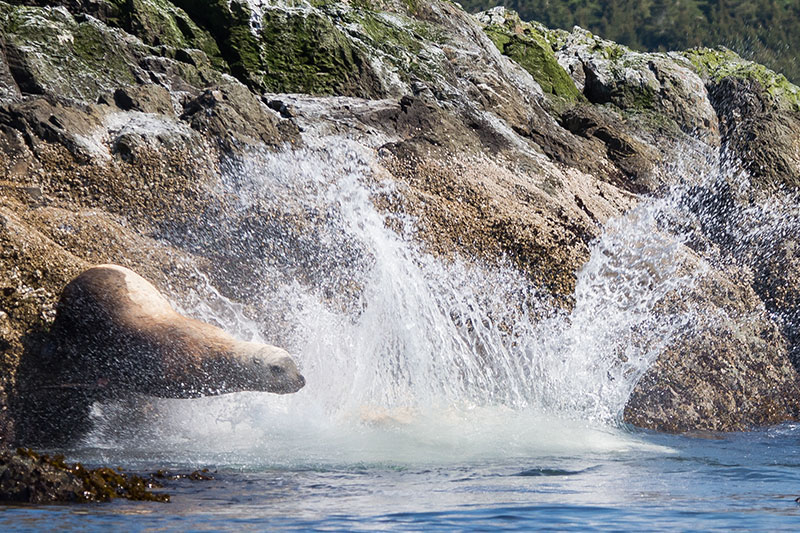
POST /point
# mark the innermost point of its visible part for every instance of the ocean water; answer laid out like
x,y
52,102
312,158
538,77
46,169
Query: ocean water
x,y
441,394
565,477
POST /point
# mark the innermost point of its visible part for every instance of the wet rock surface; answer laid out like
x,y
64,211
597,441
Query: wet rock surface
x,y
728,369
28,477
759,115
507,141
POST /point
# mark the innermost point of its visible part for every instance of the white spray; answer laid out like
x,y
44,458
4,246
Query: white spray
x,y
428,354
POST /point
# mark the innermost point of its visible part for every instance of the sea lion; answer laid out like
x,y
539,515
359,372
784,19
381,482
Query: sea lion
x,y
116,334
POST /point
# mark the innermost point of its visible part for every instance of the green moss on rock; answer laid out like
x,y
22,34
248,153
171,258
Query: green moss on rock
x,y
401,42
716,64
58,55
305,52
641,98
529,47
228,22
388,36
291,48
159,22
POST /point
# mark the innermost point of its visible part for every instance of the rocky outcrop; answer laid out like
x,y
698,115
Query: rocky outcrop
x,y
647,108
729,369
27,477
507,142
528,46
646,82
759,115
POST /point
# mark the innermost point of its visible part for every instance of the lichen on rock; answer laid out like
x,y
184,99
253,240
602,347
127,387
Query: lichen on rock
x,y
607,72
159,22
49,51
716,64
759,114
303,51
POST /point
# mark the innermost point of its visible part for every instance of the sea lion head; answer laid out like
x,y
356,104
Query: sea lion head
x,y
261,367
280,373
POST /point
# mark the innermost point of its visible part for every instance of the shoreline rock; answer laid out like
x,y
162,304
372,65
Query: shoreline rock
x,y
118,123
28,477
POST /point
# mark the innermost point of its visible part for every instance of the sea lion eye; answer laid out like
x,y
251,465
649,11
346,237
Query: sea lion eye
x,y
276,369
257,361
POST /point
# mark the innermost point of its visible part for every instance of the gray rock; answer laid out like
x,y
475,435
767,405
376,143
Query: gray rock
x,y
9,91
149,98
125,132
50,52
759,114
610,73
728,370
234,116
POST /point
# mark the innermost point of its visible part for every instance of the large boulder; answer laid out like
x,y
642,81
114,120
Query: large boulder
x,y
607,72
727,370
759,114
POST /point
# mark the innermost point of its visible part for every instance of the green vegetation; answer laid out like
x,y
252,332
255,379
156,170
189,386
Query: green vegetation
x,y
716,64
229,24
307,53
158,22
77,60
292,50
765,31
529,48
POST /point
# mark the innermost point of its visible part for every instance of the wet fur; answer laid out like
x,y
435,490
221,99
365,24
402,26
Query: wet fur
x,y
116,333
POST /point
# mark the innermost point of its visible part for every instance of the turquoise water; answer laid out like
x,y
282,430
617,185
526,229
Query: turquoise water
x,y
632,480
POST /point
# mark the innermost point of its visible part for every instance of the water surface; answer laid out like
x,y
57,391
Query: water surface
x,y
441,394
607,479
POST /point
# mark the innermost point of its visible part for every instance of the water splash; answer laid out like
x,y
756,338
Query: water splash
x,y
390,337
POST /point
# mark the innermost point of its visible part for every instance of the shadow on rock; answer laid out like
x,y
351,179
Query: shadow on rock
x,y
47,413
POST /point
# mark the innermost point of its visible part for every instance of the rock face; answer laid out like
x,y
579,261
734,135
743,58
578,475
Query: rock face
x,y
507,143
759,114
729,370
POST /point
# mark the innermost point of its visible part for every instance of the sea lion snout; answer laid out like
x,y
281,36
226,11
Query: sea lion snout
x,y
279,370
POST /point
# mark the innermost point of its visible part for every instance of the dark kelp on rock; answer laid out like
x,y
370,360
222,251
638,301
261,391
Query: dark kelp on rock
x,y
28,477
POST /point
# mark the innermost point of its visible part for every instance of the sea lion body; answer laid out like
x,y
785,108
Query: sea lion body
x,y
117,334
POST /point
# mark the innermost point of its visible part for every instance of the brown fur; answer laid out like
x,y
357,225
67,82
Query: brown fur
x,y
117,333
